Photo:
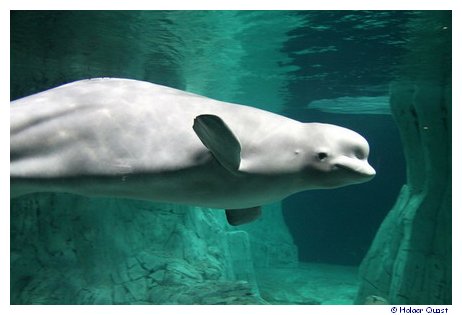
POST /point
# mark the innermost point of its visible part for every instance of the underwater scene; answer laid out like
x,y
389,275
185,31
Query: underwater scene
x,y
136,178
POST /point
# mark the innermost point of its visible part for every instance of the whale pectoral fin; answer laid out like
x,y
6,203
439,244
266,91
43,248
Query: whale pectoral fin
x,y
220,140
242,216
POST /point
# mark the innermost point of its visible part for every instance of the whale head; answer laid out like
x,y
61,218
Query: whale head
x,y
337,157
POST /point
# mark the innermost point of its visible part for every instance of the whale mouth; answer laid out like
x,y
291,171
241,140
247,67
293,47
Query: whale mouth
x,y
360,170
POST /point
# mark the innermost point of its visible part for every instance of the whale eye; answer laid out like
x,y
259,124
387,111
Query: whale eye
x,y
322,156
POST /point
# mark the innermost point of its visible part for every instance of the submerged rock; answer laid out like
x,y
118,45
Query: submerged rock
x,y
68,249
409,261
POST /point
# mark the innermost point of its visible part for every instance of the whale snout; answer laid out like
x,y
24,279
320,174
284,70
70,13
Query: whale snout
x,y
369,171
359,169
366,170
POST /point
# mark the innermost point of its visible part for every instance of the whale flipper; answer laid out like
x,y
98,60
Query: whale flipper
x,y
220,140
242,216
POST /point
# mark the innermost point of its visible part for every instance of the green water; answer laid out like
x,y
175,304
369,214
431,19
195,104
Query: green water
x,y
288,57
326,66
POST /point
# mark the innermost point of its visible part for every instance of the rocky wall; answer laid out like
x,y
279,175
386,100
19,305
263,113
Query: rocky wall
x,y
72,250
410,259
69,249
270,239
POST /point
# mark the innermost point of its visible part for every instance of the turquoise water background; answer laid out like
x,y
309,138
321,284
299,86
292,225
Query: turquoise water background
x,y
282,61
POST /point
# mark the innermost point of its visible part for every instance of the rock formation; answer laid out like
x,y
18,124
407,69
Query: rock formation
x,y
409,261
68,249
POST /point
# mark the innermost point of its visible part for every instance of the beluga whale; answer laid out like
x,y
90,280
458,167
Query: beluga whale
x,y
134,139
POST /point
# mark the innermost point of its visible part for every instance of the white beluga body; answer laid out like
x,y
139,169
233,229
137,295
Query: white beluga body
x,y
134,139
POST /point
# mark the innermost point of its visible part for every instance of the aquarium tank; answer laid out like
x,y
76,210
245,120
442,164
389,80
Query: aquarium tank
x,y
384,74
